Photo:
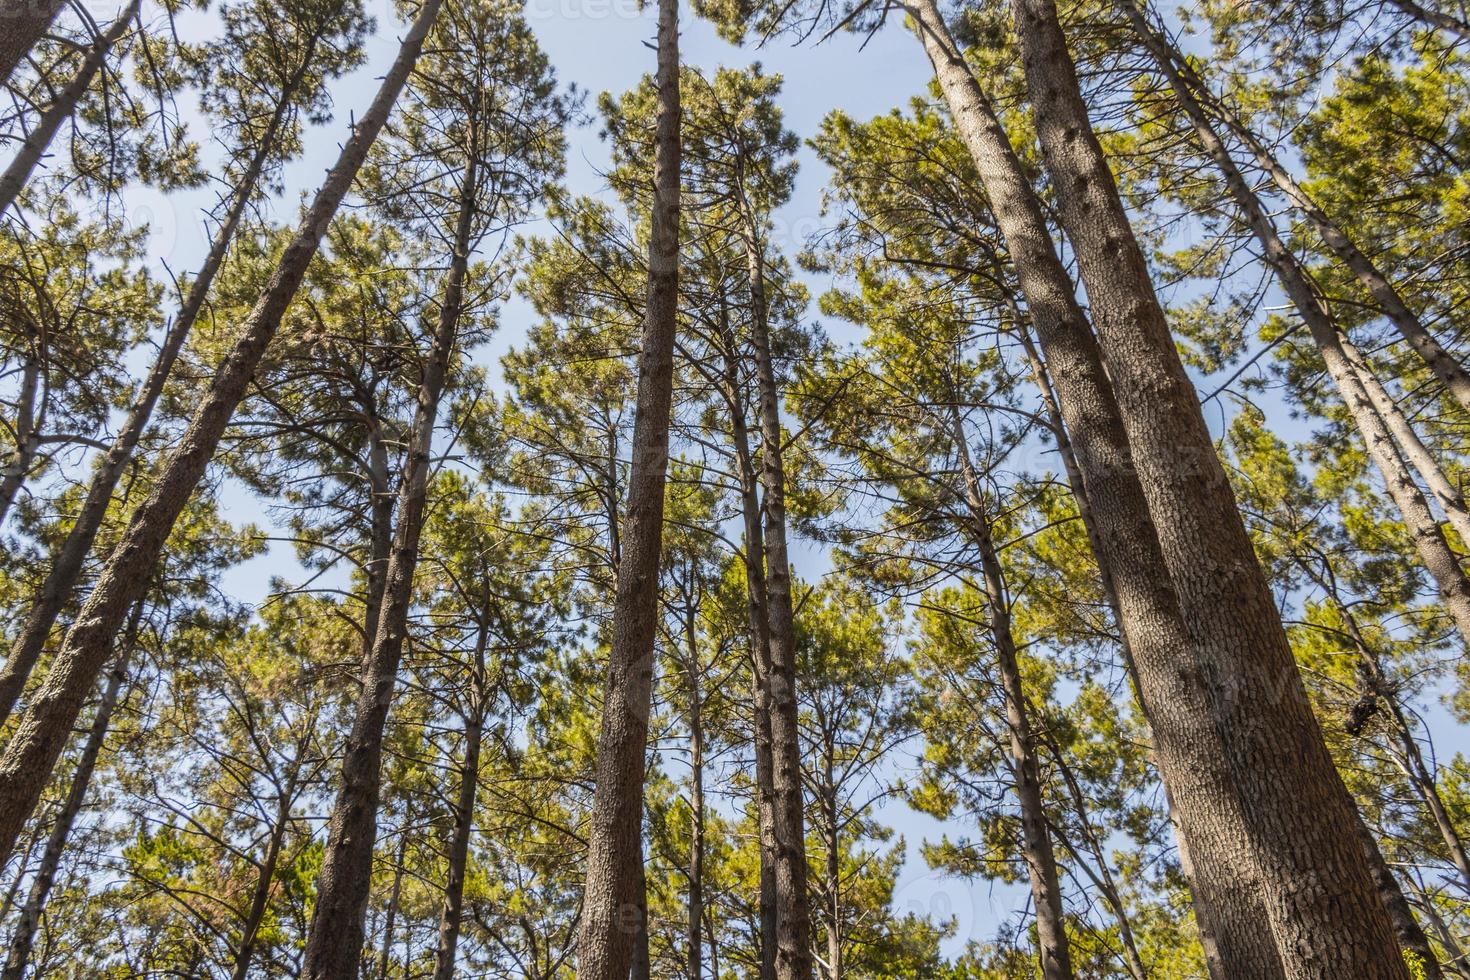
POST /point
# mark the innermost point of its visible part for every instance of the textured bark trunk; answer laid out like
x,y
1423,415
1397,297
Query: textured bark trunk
x,y
38,140
793,911
1324,911
755,598
606,940
64,573
452,914
1410,934
23,939
22,25
1445,366
41,731
1189,745
1036,845
1434,550
642,966
334,944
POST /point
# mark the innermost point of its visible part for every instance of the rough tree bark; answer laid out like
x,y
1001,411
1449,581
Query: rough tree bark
x,y
611,900
22,25
41,732
1188,744
334,944
23,939
38,140
1434,550
62,577
1326,915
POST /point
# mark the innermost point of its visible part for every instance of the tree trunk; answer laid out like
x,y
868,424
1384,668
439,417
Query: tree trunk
x,y
1434,550
24,937
464,818
1324,911
793,912
1036,846
390,922
25,22
760,649
1189,745
1434,18
605,944
26,443
334,944
266,873
38,140
41,732
62,577
1411,936
1445,366
696,806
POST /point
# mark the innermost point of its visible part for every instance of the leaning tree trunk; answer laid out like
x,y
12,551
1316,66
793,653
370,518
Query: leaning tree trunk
x,y
266,872
23,939
793,909
1435,18
605,946
38,140
334,944
452,913
62,577
41,733
1189,746
1326,915
1445,366
26,438
22,25
1434,550
1036,845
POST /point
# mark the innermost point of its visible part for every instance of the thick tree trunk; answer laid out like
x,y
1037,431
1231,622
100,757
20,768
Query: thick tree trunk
x,y
22,25
1036,845
38,140
41,732
793,912
334,944
23,939
760,649
605,944
1445,366
1189,745
1434,550
1324,911
62,577
452,914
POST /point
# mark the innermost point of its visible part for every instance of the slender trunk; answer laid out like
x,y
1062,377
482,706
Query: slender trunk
x,y
1445,366
464,818
832,838
696,805
266,873
390,922
41,732
606,941
334,944
1036,845
1434,550
22,25
1320,901
793,914
38,140
24,937
62,577
760,648
19,467
1458,959
1188,742
1435,18
380,539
